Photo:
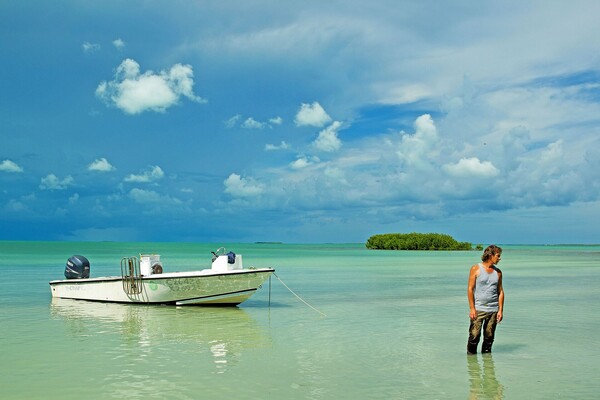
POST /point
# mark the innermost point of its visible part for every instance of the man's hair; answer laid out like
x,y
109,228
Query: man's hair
x,y
490,251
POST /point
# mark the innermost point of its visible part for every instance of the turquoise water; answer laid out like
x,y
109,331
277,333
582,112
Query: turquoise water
x,y
395,327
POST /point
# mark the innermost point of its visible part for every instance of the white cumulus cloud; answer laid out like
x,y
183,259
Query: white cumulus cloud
x,y
419,149
471,167
134,92
52,182
272,147
153,174
142,196
10,166
300,163
251,123
90,47
276,120
101,165
328,139
237,186
119,44
312,115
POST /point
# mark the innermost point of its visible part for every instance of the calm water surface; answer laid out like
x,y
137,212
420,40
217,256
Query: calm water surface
x,y
395,327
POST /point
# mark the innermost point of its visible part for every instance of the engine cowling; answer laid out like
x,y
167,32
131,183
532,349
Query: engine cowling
x,y
77,267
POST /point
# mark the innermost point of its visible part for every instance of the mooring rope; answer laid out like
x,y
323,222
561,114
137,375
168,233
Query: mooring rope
x,y
299,298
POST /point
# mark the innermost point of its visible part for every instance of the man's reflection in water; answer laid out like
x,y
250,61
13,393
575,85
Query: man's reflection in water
x,y
484,384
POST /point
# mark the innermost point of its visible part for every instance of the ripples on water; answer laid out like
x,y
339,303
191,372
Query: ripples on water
x,y
395,328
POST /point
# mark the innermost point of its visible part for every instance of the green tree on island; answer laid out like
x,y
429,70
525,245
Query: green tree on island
x,y
416,241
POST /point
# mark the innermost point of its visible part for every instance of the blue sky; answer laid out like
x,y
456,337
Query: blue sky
x,y
243,121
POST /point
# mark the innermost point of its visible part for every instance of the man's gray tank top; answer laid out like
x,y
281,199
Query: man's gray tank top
x,y
486,290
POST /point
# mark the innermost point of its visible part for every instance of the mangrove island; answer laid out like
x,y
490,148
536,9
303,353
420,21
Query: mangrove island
x,y
416,241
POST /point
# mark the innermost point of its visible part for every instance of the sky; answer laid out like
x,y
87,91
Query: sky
x,y
300,122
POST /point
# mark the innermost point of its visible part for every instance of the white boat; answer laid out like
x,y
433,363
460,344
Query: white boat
x,y
143,280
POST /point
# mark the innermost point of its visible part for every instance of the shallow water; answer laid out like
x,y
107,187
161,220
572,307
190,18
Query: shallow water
x,y
395,327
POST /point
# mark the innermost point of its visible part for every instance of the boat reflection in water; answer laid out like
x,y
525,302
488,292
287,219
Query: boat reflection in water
x,y
124,335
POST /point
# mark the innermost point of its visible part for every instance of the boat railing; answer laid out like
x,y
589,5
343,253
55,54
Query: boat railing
x,y
132,277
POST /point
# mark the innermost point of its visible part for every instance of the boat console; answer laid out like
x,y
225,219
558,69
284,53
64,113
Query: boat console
x,y
150,264
223,262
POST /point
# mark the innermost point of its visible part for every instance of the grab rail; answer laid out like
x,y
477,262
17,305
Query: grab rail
x,y
132,278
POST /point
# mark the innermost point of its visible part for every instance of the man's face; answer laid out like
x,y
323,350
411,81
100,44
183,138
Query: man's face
x,y
496,258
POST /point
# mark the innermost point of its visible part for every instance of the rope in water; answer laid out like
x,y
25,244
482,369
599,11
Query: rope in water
x,y
299,298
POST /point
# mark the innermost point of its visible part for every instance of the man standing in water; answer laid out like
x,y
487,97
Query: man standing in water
x,y
486,300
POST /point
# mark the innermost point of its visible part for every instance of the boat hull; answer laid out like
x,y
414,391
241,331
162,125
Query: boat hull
x,y
204,287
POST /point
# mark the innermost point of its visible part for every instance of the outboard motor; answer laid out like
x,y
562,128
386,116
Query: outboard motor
x,y
231,257
77,267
